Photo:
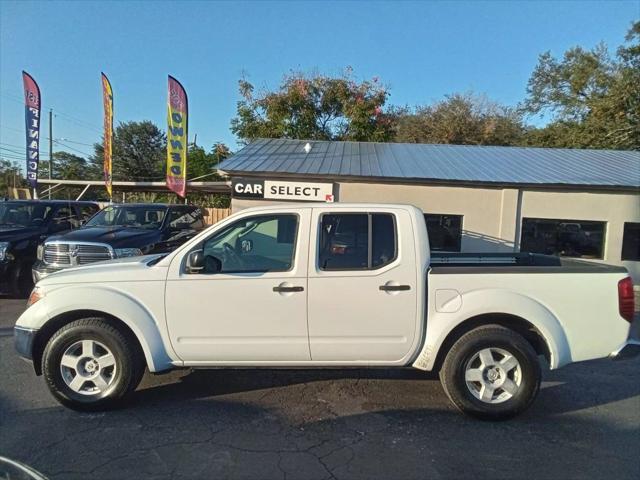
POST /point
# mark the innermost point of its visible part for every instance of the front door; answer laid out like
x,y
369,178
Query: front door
x,y
363,281
249,303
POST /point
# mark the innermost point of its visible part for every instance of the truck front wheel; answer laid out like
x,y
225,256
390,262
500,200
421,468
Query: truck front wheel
x,y
91,365
491,373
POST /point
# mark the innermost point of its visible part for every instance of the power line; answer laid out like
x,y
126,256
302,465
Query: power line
x,y
64,116
11,128
22,149
80,123
47,138
54,141
71,148
13,151
77,143
11,145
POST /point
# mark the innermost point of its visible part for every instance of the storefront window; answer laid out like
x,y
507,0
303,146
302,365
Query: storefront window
x,y
631,242
445,232
565,238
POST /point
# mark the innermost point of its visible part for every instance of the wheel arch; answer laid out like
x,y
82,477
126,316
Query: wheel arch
x,y
513,322
536,322
64,305
54,324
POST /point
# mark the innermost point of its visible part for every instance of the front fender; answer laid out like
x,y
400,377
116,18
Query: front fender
x,y
494,301
111,301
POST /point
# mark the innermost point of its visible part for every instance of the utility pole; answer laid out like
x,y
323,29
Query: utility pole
x,y
50,146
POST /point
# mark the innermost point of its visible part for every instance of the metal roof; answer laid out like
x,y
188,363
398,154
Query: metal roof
x,y
437,163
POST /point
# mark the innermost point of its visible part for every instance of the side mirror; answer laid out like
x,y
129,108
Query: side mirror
x,y
195,261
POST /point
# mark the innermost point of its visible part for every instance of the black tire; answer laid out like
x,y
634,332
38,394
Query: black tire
x,y
125,374
466,349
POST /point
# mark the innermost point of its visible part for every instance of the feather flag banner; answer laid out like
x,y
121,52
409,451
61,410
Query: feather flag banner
x,y
32,125
107,101
177,119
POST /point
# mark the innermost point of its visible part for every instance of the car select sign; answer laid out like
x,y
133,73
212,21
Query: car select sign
x,y
280,190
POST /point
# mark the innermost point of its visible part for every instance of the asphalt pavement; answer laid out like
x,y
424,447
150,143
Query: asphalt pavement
x,y
342,424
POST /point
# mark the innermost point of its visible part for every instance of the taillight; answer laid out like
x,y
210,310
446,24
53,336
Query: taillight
x,y
625,299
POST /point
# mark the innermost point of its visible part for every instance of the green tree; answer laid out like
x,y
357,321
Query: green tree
x,y
68,166
315,107
592,98
203,164
462,119
10,176
139,152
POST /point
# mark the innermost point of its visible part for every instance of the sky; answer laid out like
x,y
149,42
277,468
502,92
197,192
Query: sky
x,y
420,50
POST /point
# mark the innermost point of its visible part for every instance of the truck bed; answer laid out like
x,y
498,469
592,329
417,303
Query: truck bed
x,y
445,262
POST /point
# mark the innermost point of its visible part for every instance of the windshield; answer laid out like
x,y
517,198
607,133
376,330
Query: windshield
x,y
23,214
150,218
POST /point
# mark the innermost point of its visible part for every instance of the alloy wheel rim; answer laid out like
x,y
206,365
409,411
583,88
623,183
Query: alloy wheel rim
x,y
493,375
88,367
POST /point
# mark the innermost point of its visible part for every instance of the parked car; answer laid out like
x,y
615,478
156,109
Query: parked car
x,y
26,223
325,286
117,231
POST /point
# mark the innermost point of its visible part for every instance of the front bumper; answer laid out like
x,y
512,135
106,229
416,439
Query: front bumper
x,y
23,340
41,270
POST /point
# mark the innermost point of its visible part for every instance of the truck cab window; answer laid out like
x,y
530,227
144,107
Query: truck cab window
x,y
356,241
64,219
87,211
445,232
263,243
186,218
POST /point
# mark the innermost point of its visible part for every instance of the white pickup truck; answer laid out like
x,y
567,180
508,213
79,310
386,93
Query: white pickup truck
x,y
325,285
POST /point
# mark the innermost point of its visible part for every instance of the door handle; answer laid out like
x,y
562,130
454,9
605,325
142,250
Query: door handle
x,y
394,288
280,289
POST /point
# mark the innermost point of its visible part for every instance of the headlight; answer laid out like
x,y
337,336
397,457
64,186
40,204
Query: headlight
x,y
127,252
40,251
4,246
36,296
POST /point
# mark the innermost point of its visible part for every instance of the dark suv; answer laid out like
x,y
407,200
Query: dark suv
x,y
24,224
117,231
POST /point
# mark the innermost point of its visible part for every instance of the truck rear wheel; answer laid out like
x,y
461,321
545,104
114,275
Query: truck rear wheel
x,y
491,373
90,365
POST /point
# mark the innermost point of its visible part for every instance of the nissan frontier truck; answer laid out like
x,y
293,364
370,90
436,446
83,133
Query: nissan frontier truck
x,y
326,285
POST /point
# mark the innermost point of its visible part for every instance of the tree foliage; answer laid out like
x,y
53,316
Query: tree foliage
x,y
203,164
462,119
593,99
139,152
10,176
68,166
315,107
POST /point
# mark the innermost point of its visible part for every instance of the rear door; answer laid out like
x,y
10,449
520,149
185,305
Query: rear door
x,y
363,306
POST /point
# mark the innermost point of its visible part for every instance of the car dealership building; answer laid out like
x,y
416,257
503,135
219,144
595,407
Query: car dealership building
x,y
578,203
